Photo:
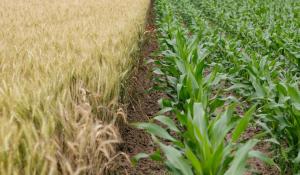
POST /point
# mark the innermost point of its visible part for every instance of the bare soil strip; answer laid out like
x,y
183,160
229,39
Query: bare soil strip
x,y
142,106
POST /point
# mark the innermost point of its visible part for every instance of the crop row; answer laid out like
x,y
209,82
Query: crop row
x,y
274,83
269,26
197,136
210,69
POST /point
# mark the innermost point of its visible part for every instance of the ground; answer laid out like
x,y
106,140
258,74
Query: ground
x,y
142,106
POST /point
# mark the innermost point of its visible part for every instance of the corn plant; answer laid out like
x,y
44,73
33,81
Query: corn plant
x,y
203,147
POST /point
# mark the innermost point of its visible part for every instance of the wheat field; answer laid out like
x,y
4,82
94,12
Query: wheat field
x,y
62,63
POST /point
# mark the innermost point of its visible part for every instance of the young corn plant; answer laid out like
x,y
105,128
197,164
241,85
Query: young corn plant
x,y
278,106
271,88
203,147
279,116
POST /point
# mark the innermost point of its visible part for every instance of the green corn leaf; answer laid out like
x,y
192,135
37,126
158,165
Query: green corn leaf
x,y
180,93
237,86
297,159
137,157
294,94
176,159
272,140
163,103
193,44
238,164
154,156
194,160
218,78
259,155
182,117
242,124
216,103
296,108
193,81
158,71
211,77
167,121
222,126
281,89
221,152
259,89
199,117
155,130
164,110
198,71
180,65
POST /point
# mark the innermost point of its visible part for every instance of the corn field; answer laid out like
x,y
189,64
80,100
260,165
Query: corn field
x,y
227,66
228,71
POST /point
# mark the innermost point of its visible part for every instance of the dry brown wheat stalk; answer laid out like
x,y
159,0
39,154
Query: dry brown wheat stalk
x,y
61,67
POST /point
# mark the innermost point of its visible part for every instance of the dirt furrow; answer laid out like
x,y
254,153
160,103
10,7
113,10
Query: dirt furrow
x,y
142,106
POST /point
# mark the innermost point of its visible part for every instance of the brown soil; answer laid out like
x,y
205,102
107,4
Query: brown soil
x,y
142,106
257,166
